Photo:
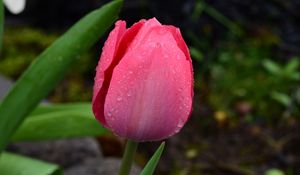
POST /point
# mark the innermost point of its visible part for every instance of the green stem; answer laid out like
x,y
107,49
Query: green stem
x,y
128,156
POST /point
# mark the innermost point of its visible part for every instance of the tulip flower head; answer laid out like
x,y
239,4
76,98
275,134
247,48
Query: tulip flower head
x,y
144,81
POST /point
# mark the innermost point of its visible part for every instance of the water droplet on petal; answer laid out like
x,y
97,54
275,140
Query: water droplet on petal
x,y
129,94
170,135
180,123
177,129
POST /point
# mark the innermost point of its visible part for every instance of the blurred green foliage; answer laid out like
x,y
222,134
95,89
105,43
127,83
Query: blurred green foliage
x,y
274,172
244,72
22,45
241,75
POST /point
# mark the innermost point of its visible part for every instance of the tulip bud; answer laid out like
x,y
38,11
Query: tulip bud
x,y
144,81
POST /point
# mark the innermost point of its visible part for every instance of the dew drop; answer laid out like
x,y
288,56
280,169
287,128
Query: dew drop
x,y
129,94
177,129
180,123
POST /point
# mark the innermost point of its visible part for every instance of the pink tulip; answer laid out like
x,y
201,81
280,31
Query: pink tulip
x,y
144,82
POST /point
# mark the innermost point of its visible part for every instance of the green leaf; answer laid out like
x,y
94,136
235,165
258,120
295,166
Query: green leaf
x,y
46,71
151,165
54,107
1,23
196,54
292,65
293,76
291,69
13,164
274,171
282,98
58,122
272,67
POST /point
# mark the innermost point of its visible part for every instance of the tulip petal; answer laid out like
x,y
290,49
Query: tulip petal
x,y
107,56
112,52
149,97
146,28
108,52
180,42
127,39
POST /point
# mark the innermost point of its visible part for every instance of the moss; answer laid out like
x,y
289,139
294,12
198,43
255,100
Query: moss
x,y
20,48
23,45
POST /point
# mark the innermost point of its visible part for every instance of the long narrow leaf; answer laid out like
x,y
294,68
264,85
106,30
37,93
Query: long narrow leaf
x,y
151,165
47,108
42,76
1,23
60,121
13,164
